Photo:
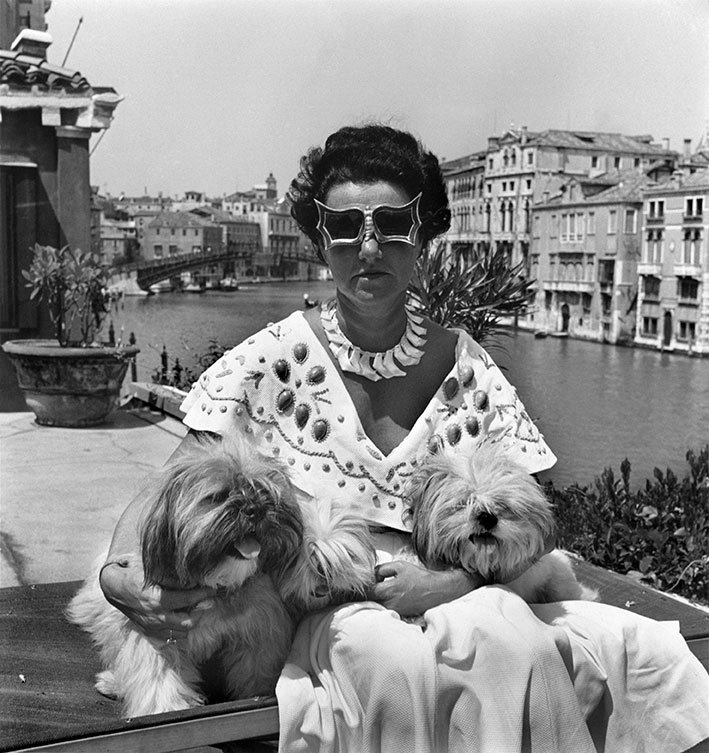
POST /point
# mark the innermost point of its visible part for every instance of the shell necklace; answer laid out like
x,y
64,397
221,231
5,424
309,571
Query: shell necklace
x,y
374,366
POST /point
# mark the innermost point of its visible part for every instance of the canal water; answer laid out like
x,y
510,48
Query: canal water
x,y
595,404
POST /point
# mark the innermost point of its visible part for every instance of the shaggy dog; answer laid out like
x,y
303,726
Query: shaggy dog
x,y
219,516
487,514
336,561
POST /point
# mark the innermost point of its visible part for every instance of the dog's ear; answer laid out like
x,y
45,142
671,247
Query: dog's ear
x,y
283,536
158,533
419,497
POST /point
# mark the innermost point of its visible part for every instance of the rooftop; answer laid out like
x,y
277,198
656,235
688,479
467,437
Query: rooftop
x,y
63,490
18,70
683,181
597,141
178,219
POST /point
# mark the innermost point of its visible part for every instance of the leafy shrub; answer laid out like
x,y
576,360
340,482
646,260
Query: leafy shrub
x,y
658,535
72,285
474,294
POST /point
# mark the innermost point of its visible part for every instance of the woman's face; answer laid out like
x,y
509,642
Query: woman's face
x,y
370,270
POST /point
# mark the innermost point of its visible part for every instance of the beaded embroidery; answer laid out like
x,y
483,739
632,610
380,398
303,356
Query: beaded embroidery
x,y
289,401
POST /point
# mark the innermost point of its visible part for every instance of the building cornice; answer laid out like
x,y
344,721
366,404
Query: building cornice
x,y
90,110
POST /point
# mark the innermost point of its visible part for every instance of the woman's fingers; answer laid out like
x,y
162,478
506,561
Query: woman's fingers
x,y
386,570
177,599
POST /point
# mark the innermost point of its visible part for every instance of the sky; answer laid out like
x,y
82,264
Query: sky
x,y
219,93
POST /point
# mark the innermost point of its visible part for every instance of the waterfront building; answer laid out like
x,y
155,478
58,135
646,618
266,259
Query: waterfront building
x,y
470,222
173,234
137,204
585,249
673,290
48,115
520,166
142,210
261,198
291,253
240,237
113,233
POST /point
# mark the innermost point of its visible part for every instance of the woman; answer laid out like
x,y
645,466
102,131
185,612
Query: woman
x,y
352,397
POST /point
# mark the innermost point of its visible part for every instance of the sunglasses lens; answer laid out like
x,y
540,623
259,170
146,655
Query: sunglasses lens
x,y
394,222
343,226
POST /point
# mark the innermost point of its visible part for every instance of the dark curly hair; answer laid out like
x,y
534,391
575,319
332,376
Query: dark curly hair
x,y
367,154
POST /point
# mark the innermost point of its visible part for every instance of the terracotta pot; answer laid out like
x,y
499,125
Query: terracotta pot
x,y
69,386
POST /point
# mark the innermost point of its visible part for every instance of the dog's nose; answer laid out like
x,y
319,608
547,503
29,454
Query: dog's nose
x,y
487,520
253,511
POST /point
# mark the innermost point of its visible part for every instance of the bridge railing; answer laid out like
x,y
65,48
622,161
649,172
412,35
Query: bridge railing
x,y
151,271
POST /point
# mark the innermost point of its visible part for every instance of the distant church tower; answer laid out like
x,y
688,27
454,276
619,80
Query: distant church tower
x,y
271,190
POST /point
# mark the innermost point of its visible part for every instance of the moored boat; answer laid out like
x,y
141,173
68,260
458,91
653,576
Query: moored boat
x,y
229,284
164,286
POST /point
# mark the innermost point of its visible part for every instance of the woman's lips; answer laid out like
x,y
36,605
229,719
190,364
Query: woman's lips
x,y
372,273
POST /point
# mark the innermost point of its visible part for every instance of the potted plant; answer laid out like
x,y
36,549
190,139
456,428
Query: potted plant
x,y
73,380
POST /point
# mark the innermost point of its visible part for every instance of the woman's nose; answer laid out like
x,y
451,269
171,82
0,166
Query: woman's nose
x,y
369,248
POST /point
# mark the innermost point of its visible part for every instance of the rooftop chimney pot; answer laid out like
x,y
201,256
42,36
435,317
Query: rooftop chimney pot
x,y
32,42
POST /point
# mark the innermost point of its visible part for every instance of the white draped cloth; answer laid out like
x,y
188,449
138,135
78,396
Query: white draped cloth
x,y
489,673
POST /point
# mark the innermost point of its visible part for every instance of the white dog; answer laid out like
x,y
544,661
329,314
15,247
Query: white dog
x,y
220,516
488,515
336,561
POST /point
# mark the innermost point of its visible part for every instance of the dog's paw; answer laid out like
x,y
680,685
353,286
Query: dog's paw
x,y
106,684
588,593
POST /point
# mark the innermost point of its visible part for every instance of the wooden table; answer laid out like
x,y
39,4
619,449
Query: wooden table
x,y
47,666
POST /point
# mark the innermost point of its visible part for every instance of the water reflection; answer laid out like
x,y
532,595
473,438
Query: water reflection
x,y
598,404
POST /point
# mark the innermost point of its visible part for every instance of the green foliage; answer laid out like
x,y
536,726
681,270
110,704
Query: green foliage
x,y
474,295
658,535
72,283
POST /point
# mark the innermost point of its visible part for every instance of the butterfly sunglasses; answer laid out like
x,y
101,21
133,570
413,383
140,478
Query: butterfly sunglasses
x,y
352,225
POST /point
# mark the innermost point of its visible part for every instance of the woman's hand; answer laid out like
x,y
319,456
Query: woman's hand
x,y
159,612
411,589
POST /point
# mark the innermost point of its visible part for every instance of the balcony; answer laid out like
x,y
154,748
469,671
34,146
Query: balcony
x,y
688,270
650,268
654,219
574,286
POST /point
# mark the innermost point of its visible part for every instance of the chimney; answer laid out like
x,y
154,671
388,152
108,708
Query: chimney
x,y
32,42
666,143
523,135
687,148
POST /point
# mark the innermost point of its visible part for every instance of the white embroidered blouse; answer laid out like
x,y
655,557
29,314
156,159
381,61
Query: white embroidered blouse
x,y
281,389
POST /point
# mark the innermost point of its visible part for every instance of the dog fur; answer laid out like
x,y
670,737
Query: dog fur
x,y
336,561
487,514
219,516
